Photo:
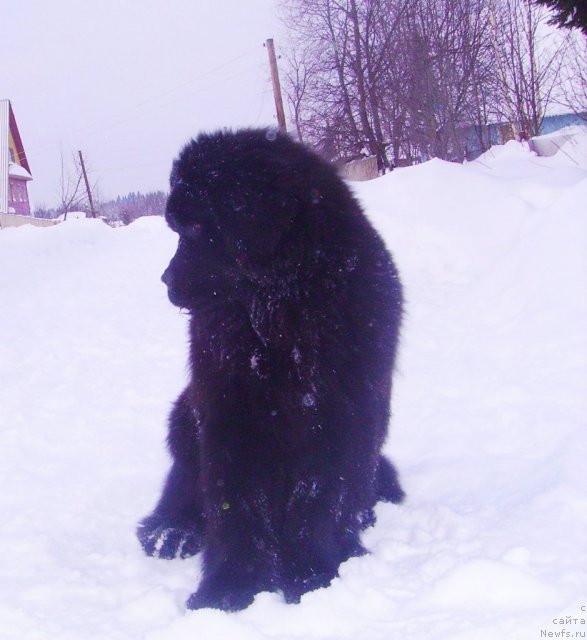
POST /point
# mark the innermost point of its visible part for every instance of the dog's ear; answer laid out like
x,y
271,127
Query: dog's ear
x,y
250,183
264,188
254,222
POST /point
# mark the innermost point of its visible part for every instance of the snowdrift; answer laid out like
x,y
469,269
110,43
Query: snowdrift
x,y
488,430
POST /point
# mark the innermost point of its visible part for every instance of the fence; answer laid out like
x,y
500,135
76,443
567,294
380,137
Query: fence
x,y
360,170
13,220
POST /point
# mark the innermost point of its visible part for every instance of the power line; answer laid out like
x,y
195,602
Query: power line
x,y
155,108
96,126
92,128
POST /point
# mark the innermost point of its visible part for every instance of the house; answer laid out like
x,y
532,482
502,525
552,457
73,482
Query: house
x,y
15,171
15,174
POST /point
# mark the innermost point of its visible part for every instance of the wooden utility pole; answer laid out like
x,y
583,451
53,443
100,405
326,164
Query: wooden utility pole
x,y
81,159
276,86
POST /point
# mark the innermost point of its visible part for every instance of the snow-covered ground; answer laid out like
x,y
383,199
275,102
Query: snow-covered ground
x,y
489,426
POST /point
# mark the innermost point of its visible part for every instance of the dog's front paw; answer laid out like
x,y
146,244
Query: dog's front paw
x,y
233,598
168,540
387,482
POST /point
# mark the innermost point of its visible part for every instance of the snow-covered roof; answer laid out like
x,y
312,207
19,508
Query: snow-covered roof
x,y
16,171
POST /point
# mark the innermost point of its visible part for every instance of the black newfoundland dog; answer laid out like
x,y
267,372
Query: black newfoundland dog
x,y
295,308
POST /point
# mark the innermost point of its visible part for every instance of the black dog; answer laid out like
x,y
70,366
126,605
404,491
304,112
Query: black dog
x,y
295,308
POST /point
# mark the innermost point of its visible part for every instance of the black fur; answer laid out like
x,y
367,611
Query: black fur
x,y
295,309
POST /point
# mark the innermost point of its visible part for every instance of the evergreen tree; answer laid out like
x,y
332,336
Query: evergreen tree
x,y
567,13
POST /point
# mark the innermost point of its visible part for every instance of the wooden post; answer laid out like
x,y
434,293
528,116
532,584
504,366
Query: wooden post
x,y
81,159
276,86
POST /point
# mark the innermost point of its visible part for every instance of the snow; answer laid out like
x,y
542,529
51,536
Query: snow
x,y
488,430
72,215
571,141
18,171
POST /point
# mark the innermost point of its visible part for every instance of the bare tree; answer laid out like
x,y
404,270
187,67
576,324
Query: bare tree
x,y
336,84
301,68
574,93
452,67
403,80
530,63
392,76
71,187
74,196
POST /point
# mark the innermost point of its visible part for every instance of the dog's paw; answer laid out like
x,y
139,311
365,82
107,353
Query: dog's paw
x,y
167,540
366,518
213,595
387,482
295,589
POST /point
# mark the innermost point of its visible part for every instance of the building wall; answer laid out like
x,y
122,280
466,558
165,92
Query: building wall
x,y
12,220
4,157
554,123
18,197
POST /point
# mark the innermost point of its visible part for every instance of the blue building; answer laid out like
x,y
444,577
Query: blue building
x,y
477,140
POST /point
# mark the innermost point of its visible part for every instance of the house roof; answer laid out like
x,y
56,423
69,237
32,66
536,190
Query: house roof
x,y
21,157
18,171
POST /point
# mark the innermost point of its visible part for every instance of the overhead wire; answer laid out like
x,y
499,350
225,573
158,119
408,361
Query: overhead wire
x,y
138,110
170,102
98,125
163,106
96,128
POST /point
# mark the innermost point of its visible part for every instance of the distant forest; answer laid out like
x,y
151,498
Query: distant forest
x,y
134,205
122,210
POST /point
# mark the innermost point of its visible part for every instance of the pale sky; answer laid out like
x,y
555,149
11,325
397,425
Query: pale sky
x,y
130,81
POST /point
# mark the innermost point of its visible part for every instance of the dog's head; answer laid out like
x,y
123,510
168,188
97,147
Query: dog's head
x,y
235,201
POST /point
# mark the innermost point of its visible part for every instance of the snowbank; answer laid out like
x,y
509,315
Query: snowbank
x,y
488,428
